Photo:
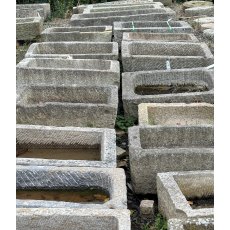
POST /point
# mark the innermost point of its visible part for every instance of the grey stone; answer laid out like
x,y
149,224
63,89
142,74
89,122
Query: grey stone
x,y
120,152
191,4
207,26
83,147
200,11
28,28
204,20
45,6
175,188
175,114
54,71
74,50
209,33
200,78
149,27
66,178
156,149
147,208
79,106
203,223
141,15
147,55
28,13
72,219
55,34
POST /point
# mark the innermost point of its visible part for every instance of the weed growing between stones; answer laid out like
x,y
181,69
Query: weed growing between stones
x,y
124,123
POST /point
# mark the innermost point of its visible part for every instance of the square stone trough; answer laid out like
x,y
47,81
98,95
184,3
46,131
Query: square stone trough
x,y
202,223
28,13
149,27
56,34
59,187
175,114
155,149
167,86
78,106
186,194
108,18
72,219
54,71
28,28
74,50
65,146
147,55
45,6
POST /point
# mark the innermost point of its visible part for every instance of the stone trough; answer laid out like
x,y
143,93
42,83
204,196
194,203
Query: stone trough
x,y
203,223
175,114
54,71
70,187
156,149
74,50
72,219
186,194
56,34
147,55
149,27
175,86
200,11
108,18
28,13
79,106
28,28
65,146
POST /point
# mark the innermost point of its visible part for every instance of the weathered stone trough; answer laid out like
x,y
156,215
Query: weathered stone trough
x,y
44,13
28,28
186,194
74,50
149,27
28,13
70,187
175,114
147,55
72,219
156,149
54,71
80,106
202,223
107,18
55,34
65,146
167,86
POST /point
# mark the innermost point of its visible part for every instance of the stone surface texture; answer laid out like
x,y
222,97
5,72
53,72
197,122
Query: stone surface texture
x,y
200,11
147,207
28,13
209,33
191,4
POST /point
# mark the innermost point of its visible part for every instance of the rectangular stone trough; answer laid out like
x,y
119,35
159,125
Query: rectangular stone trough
x,y
28,13
70,187
202,223
156,149
186,194
167,86
45,6
147,55
65,146
72,219
28,28
74,50
79,106
175,114
107,18
149,27
54,71
55,34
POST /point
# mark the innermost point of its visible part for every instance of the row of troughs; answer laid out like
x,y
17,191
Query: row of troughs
x,y
67,102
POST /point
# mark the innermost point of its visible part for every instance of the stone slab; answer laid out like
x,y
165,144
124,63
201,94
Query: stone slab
x,y
176,188
74,50
200,11
209,33
56,34
148,55
54,71
132,98
191,4
28,13
58,140
207,26
156,149
175,114
66,178
78,106
72,219
28,28
204,20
